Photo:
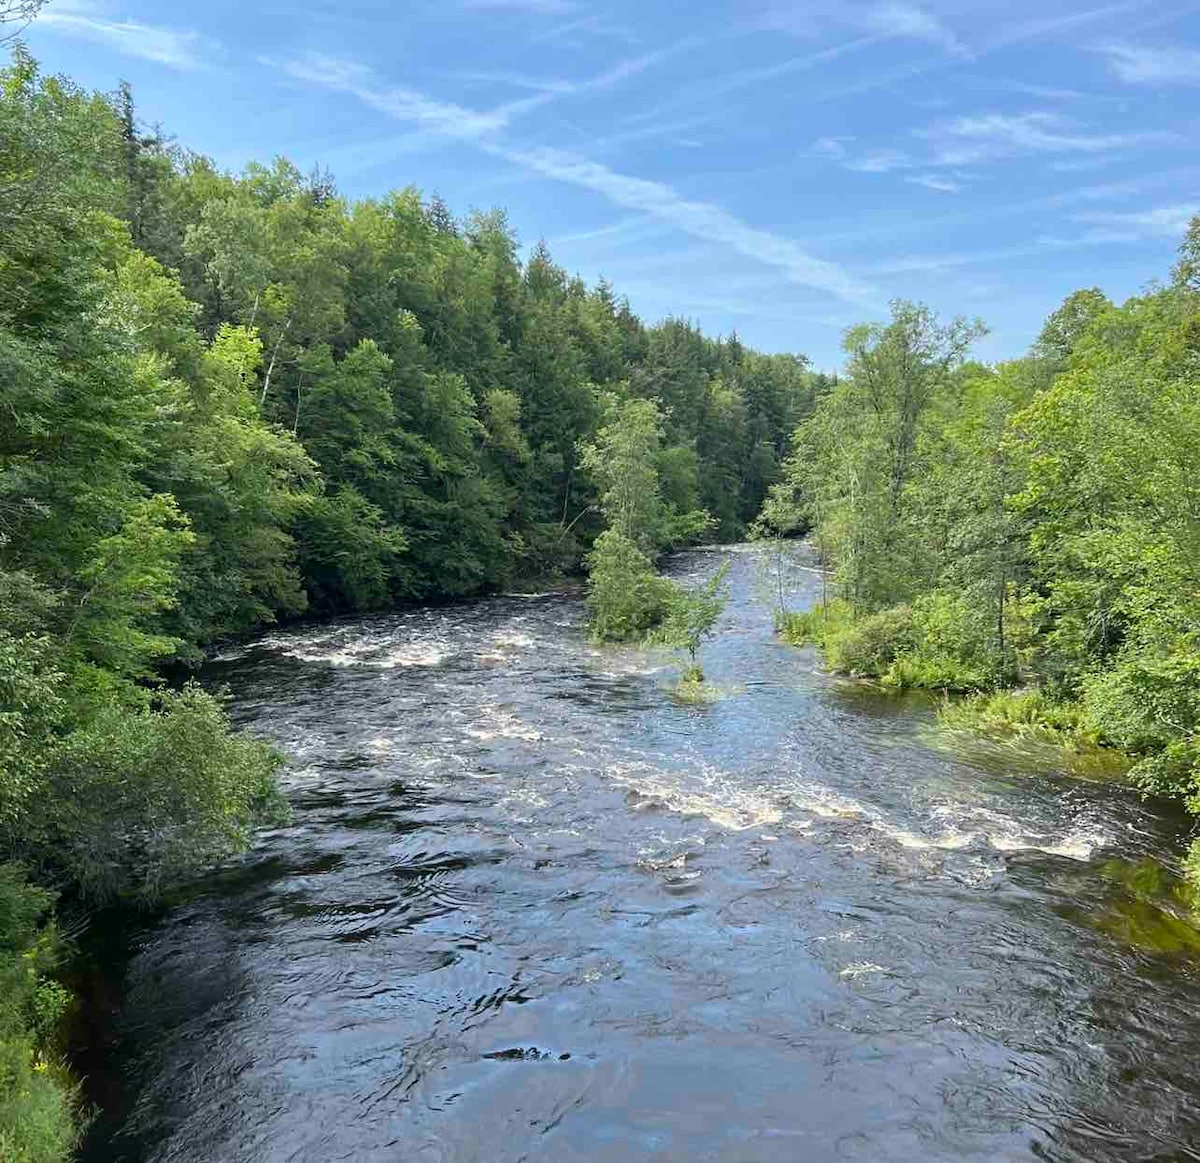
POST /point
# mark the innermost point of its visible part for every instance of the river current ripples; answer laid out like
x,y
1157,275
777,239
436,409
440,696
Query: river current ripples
x,y
530,908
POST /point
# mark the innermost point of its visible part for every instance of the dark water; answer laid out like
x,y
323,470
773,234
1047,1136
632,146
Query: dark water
x,y
531,909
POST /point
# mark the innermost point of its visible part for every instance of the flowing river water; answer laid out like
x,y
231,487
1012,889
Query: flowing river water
x,y
531,908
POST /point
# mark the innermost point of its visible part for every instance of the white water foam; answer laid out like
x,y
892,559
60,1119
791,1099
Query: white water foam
x,y
498,723
368,654
969,825
731,804
711,794
862,969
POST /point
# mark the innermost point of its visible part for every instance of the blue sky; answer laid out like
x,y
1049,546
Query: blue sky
x,y
778,167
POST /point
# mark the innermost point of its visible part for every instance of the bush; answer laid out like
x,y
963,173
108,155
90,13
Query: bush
x,y
37,1123
1146,702
937,643
868,647
626,598
138,797
812,627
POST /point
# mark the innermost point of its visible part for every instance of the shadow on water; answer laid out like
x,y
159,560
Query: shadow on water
x,y
530,907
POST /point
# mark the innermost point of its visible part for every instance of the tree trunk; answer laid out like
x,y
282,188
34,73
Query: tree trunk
x,y
271,366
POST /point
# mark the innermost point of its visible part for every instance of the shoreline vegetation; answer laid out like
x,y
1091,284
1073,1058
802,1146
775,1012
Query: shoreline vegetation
x,y
1024,537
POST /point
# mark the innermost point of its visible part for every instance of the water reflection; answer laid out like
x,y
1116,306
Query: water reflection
x,y
530,908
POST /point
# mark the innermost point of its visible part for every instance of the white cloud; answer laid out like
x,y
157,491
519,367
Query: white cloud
x,y
987,137
880,161
701,220
880,19
550,91
167,46
1168,221
448,118
440,117
942,185
574,30
906,21
930,263
635,227
831,147
541,7
1048,27
515,80
1138,65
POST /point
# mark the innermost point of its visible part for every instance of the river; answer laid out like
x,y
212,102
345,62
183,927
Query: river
x,y
530,908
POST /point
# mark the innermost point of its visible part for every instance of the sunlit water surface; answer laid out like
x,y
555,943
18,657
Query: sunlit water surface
x,y
530,908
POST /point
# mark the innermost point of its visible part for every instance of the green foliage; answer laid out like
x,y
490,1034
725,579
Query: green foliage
x,y
1022,712
625,461
626,597
938,642
37,1100
138,797
692,614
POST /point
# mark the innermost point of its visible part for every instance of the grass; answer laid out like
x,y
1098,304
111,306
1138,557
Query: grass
x,y
1027,713
692,689
38,1121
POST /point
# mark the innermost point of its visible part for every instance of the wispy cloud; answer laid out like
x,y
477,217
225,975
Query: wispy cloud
x,y
707,91
931,182
908,22
627,229
881,19
176,48
515,80
541,7
441,117
574,30
832,147
1049,27
991,136
1046,92
701,220
1141,65
932,263
1169,221
880,161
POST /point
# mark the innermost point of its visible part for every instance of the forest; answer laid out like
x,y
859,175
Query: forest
x,y
231,400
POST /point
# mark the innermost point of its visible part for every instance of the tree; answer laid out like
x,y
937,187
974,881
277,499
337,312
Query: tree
x,y
626,598
18,13
624,462
692,614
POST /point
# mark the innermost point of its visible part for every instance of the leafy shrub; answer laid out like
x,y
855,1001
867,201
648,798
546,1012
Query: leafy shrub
x,y
691,616
1146,702
137,797
626,598
1018,712
868,647
812,627
937,643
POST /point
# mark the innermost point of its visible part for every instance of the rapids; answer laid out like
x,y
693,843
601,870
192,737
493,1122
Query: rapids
x,y
530,908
